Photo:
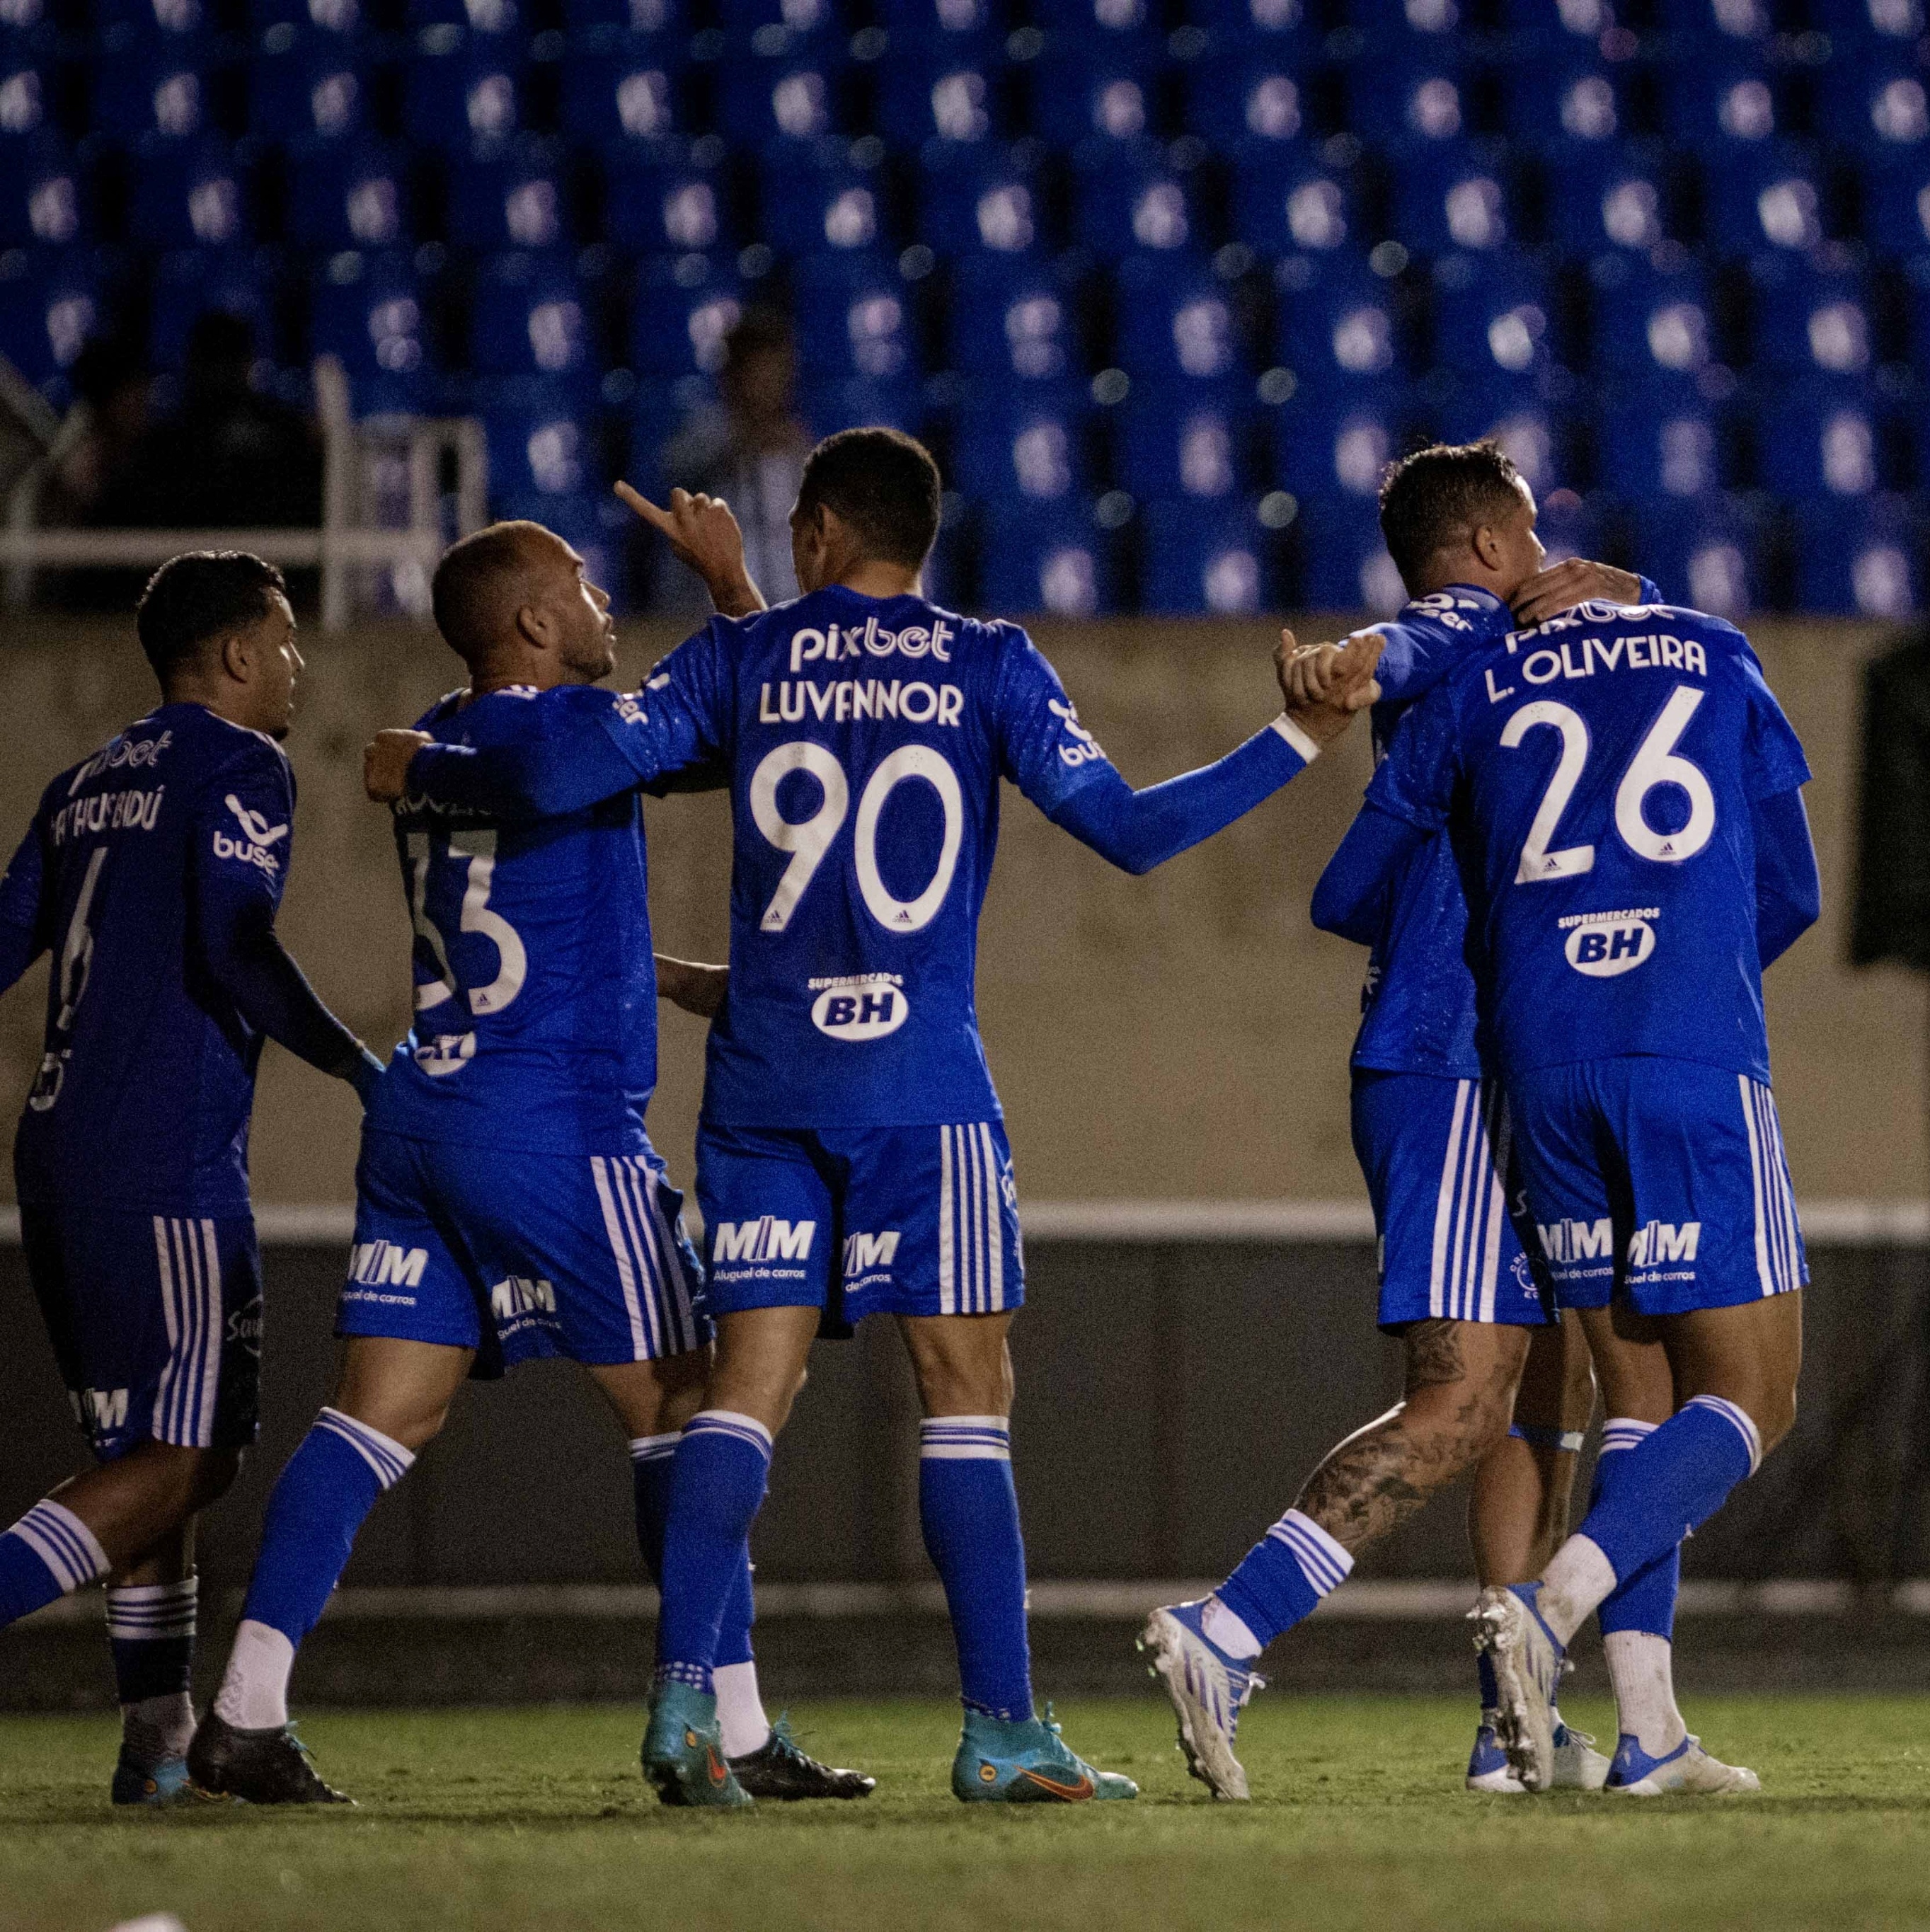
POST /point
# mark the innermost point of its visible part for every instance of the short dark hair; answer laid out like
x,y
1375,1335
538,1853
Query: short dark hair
x,y
467,594
1433,496
199,595
884,485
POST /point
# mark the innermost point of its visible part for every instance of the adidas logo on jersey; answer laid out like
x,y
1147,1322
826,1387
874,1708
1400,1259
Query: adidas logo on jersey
x,y
766,1239
382,1264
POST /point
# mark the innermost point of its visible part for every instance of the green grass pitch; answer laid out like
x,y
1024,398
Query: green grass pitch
x,y
537,1820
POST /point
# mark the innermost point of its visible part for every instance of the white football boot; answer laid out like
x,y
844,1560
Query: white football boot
x,y
1688,1768
1527,1664
1208,1690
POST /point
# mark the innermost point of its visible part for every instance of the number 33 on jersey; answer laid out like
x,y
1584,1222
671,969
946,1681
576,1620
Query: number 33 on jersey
x,y
866,739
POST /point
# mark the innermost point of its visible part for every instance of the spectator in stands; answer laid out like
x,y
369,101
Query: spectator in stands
x,y
113,393
229,457
751,452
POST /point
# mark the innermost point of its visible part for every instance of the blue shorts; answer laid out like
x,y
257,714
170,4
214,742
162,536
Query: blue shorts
x,y
1660,1181
860,1221
155,1320
519,1256
1436,1154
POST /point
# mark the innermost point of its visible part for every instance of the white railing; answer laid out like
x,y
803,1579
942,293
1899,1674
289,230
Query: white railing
x,y
385,518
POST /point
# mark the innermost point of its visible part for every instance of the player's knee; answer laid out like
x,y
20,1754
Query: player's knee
x,y
1774,1414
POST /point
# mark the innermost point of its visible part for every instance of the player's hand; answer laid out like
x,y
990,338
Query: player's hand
x,y
703,534
385,763
697,988
1344,674
1574,580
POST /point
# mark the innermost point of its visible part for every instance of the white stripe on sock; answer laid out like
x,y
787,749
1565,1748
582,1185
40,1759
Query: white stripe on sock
x,y
730,1422
963,1439
64,1544
1325,1563
1740,1419
146,1611
389,1460
651,1448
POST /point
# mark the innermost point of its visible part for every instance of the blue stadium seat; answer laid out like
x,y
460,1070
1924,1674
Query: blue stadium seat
x,y
149,92
1718,108
370,312
272,21
1863,558
1535,436
683,309
978,196
1410,106
1127,199
1728,30
1177,324
663,22
472,93
949,29
1882,107
789,29
1286,201
1774,196
1193,452
768,103
811,205
1454,196
925,98
1199,560
45,195
1612,196
484,20
660,202
853,318
161,22
51,302
1493,322
1325,449
1649,446
542,458
192,282
1289,30
1036,448
1013,319
1093,95
188,193
616,95
1864,29
1589,113
348,195
25,97
1805,322
319,87
1559,35
1651,325
1705,553
1238,99
832,403
1101,25
1810,447
532,317
1335,324
1344,565
1033,560
517,197
1896,204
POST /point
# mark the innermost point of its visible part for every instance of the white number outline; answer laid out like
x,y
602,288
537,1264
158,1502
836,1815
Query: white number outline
x,y
77,953
1537,861
807,840
478,848
908,761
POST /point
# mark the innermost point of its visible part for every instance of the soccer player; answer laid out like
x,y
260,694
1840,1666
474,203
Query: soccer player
x,y
1623,795
509,1205
152,871
851,1159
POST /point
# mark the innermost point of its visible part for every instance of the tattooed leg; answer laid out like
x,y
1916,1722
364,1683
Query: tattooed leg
x,y
1460,1383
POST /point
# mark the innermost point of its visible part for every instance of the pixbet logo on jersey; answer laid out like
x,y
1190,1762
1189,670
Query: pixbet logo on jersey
x,y
1602,944
860,1005
830,646
257,836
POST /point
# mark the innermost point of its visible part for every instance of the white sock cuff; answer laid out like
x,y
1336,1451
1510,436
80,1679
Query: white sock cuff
x,y
1324,1562
254,1695
652,1448
1740,1418
1624,1431
389,1460
731,1422
966,1438
64,1544
139,1612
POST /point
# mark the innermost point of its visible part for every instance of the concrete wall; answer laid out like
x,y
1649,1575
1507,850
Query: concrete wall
x,y
1184,1035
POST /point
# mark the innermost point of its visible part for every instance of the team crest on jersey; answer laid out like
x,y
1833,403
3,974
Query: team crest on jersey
x,y
860,1005
1603,945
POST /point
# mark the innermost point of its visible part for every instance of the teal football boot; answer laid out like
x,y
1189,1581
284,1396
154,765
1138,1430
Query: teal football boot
x,y
163,1783
684,1750
1028,1763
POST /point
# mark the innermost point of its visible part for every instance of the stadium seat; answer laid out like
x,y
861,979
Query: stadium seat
x,y
149,92
1127,199
1723,29
660,202
317,87
1806,321
46,195
348,195
973,196
664,24
1882,107
949,29
1812,448
1101,25
1648,447
1177,325
1197,560
160,22
1492,323
543,456
1863,28
1283,202
1011,319
1280,30
531,317
1535,436
1719,108
51,303
474,92
189,193
1323,449
192,282
790,29
1178,451
1650,324
516,197
810,205
1032,559
1096,95
1896,204
853,319
615,96
1454,196
1344,563
1336,327
1609,196
832,404
370,312
1705,552
1408,106
1861,559
1774,196
1237,99
1588,116
765,104
1037,449
683,308
275,22
931,97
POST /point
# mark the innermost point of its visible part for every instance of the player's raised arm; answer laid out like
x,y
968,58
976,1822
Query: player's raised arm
x,y
1137,830
703,536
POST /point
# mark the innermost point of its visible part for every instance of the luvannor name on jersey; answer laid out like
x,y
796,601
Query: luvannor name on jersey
x,y
917,702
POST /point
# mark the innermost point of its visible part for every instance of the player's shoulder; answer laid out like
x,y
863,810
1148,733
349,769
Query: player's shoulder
x,y
215,748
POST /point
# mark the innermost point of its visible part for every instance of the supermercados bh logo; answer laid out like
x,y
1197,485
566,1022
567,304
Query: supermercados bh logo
x,y
860,1005
1602,944
255,844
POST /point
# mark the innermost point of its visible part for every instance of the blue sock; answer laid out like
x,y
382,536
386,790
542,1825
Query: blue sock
x,y
717,1486
1491,1691
1282,1579
652,1460
969,1511
49,1552
319,1500
1647,1600
1674,1480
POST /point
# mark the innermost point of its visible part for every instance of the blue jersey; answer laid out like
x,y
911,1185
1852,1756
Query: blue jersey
x,y
140,861
1602,777
536,993
865,739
